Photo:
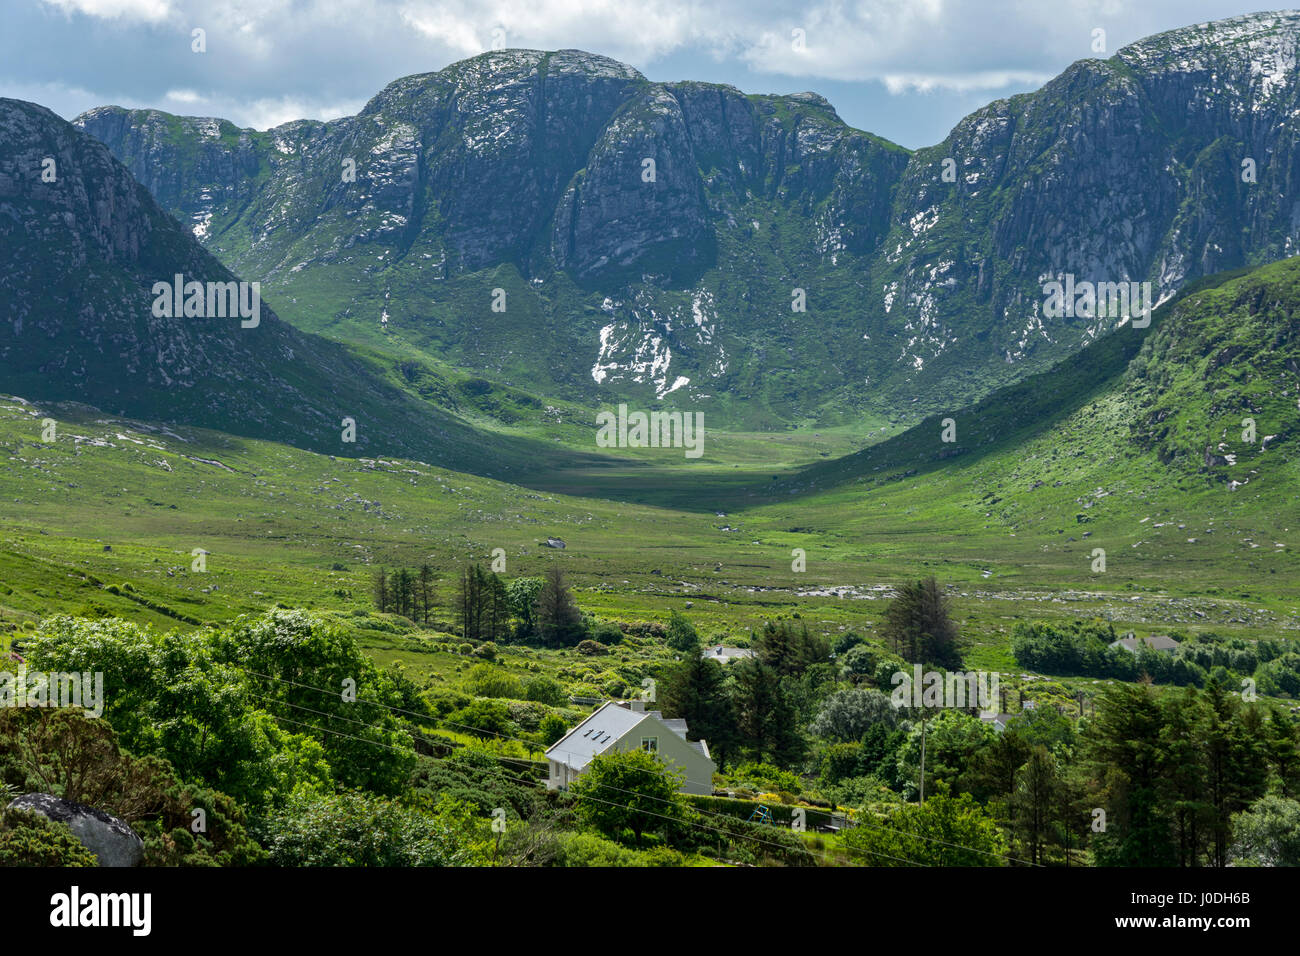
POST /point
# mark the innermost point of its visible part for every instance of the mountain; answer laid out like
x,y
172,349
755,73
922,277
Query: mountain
x,y
1207,396
84,246
525,171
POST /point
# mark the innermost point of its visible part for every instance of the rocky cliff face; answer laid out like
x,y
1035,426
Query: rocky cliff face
x,y
84,245
1125,169
530,172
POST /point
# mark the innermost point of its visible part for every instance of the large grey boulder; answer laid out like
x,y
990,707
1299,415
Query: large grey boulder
x,y
110,839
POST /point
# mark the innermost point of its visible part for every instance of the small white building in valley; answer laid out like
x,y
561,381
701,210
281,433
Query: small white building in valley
x,y
624,726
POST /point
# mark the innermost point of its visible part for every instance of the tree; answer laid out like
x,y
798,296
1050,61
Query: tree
x,y
176,697
847,714
552,728
488,680
298,665
1035,802
919,627
952,741
559,622
681,634
522,593
696,691
498,607
1235,769
788,648
943,831
766,717
426,592
380,590
1123,748
484,718
1268,834
858,661
403,593
471,602
545,690
630,790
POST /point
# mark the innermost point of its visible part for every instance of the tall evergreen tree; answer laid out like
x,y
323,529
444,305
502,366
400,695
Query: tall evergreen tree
x,y
766,718
919,627
426,592
1124,749
380,590
470,602
696,691
788,648
1035,803
559,622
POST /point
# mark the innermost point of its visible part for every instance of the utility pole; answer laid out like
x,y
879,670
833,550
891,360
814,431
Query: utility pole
x,y
922,757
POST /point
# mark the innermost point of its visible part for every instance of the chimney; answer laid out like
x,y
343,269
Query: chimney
x,y
636,706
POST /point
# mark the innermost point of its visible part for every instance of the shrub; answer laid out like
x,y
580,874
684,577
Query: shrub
x,y
552,728
486,680
544,690
30,839
358,829
607,632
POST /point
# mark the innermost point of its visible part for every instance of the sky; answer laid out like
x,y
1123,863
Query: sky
x,y
907,70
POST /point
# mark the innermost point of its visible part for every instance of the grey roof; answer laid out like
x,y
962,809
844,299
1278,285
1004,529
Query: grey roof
x,y
594,735
1156,642
998,718
720,653
676,725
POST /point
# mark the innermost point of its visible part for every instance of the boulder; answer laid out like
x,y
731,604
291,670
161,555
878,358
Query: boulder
x,y
110,839
555,543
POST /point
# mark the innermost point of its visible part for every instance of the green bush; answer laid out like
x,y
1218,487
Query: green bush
x,y
486,680
30,839
544,690
358,829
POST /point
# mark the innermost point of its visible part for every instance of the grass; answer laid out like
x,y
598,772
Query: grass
x,y
106,519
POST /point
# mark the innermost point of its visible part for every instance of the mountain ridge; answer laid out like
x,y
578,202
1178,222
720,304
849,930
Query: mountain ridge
x,y
84,252
916,288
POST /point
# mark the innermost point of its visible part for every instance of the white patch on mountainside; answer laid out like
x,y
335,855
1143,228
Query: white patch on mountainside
x,y
637,345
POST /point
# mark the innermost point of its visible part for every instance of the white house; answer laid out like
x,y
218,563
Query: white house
x,y
1161,643
998,721
624,726
724,655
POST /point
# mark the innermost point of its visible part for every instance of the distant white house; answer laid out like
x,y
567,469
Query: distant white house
x,y
716,652
998,721
1161,643
625,726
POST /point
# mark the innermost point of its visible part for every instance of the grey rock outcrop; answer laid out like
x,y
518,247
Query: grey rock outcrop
x,y
110,839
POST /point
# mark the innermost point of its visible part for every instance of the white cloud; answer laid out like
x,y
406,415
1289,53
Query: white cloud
x,y
962,82
270,112
147,10
636,32
182,96
267,58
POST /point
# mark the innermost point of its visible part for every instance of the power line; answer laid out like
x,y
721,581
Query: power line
x,y
583,796
873,826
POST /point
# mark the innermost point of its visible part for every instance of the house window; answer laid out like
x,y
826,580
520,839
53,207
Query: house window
x,y
650,743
